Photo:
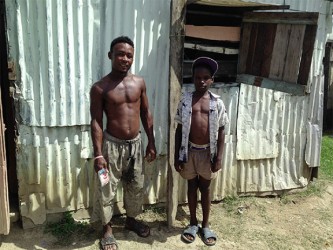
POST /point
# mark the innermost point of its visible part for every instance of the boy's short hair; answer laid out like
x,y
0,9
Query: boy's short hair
x,y
121,39
205,62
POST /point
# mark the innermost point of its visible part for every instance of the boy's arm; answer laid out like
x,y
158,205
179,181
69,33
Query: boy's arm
x,y
217,164
178,138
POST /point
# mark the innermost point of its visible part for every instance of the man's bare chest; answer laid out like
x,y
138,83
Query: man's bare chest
x,y
121,94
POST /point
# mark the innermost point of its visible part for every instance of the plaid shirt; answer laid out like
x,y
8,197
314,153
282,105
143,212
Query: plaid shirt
x,y
217,118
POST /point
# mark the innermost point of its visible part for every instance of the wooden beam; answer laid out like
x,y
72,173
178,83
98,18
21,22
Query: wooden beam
x,y
177,35
279,51
221,50
308,46
244,47
4,201
294,53
282,18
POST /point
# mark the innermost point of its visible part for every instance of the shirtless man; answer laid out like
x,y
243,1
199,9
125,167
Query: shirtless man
x,y
199,139
122,97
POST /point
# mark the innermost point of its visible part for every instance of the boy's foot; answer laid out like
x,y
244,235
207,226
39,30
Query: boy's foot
x,y
190,233
208,236
139,228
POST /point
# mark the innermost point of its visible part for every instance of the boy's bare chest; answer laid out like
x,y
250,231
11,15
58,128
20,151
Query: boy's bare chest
x,y
200,107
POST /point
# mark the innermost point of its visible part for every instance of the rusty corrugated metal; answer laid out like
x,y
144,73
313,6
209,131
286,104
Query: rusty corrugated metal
x,y
60,48
52,102
283,115
315,122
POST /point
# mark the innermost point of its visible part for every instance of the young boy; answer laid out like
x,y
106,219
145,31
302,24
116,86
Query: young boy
x,y
199,140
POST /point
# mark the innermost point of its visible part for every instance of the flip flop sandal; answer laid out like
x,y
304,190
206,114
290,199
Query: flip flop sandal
x,y
191,230
107,241
206,234
139,228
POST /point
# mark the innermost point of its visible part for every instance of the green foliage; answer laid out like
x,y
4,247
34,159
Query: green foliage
x,y
326,159
67,229
230,203
156,209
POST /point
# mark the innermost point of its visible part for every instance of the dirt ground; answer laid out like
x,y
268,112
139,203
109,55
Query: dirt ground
x,y
298,221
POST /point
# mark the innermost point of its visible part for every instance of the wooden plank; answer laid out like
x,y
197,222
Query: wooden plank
x,y
279,51
291,88
308,45
258,52
270,31
252,48
177,24
4,201
217,33
310,18
244,47
294,53
221,50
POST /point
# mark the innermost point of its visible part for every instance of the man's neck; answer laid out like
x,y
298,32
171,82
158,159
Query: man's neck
x,y
118,74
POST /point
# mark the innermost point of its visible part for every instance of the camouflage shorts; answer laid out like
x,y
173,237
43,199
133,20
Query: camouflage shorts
x,y
124,158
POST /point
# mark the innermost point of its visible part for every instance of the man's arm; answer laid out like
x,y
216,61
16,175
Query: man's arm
x,y
96,112
217,164
147,122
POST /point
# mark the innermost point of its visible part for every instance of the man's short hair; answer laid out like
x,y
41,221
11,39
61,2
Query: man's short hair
x,y
121,39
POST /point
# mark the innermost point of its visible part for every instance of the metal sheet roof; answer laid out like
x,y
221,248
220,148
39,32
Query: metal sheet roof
x,y
238,4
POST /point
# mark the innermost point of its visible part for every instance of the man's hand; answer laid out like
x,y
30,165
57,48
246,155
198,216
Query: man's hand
x,y
179,166
216,165
150,152
99,163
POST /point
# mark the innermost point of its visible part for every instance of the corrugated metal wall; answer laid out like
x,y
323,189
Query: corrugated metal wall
x,y
60,49
316,79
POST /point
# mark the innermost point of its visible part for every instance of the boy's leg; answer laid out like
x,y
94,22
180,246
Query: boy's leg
x,y
192,188
204,187
192,197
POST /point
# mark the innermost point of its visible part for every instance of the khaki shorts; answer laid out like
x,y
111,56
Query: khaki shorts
x,y
124,159
198,164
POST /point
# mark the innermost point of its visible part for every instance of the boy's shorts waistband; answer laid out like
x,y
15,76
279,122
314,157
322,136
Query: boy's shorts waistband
x,y
111,138
194,146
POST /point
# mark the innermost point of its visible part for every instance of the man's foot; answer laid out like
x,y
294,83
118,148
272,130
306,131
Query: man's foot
x,y
190,233
139,228
208,237
108,242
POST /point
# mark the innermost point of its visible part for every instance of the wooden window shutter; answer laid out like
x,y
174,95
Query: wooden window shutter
x,y
277,45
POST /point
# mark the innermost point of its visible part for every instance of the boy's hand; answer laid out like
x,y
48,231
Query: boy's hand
x,y
216,165
99,164
179,166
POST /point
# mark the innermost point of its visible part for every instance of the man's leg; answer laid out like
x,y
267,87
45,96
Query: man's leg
x,y
133,181
107,194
